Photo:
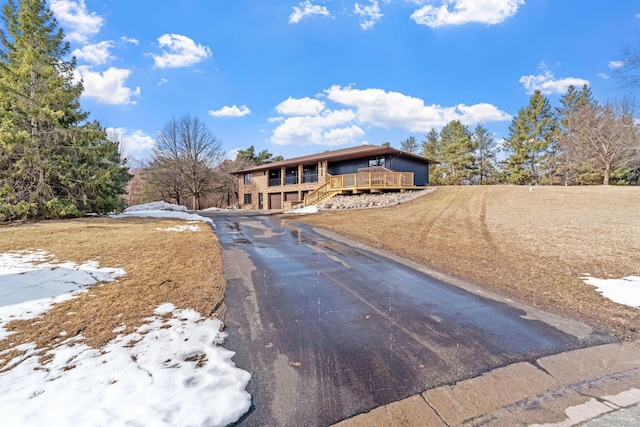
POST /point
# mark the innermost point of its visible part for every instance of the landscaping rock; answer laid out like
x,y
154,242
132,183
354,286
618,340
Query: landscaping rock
x,y
371,200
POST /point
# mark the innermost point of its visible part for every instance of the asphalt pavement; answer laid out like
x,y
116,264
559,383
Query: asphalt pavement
x,y
331,329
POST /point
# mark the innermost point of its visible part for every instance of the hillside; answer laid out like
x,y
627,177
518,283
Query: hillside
x,y
531,244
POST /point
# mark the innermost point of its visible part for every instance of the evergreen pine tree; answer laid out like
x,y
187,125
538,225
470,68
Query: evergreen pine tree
x,y
532,143
430,150
410,145
485,155
52,165
456,153
571,103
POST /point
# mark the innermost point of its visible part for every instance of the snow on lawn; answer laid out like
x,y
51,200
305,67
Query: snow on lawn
x,y
170,372
303,211
31,282
190,226
161,210
623,291
157,206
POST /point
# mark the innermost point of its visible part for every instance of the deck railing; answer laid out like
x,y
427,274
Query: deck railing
x,y
359,182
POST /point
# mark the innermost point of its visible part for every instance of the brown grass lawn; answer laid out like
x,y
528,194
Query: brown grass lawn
x,y
183,268
529,244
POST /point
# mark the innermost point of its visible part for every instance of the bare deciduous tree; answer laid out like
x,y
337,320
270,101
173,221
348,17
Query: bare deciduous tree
x,y
185,159
628,75
603,137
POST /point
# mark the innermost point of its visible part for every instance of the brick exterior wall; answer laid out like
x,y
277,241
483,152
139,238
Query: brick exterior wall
x,y
290,194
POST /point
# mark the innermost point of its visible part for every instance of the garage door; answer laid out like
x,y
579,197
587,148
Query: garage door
x,y
275,201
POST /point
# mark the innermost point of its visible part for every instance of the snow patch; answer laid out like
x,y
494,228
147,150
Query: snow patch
x,y
31,282
623,291
181,228
303,211
157,206
161,210
170,372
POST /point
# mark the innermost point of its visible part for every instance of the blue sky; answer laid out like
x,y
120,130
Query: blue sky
x,y
300,77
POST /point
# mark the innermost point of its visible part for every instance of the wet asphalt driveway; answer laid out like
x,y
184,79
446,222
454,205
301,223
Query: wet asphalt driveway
x,y
330,329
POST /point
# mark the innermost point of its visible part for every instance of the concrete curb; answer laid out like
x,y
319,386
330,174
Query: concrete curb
x,y
561,390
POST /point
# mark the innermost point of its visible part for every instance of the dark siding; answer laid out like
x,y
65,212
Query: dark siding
x,y
399,164
351,166
420,169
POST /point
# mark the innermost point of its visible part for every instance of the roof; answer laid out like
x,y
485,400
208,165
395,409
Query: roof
x,y
337,155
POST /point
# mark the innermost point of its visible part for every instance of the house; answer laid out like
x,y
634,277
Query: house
x,y
311,179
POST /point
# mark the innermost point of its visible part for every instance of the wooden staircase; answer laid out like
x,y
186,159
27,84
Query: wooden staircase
x,y
320,194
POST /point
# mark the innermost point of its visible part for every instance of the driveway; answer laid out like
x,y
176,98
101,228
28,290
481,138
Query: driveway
x,y
330,328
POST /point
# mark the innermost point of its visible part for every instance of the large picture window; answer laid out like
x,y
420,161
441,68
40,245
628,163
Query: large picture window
x,y
378,161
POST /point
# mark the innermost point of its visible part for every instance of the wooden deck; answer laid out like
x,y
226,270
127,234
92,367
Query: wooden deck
x,y
358,183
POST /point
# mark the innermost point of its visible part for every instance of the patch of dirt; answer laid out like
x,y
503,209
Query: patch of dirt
x,y
182,268
531,244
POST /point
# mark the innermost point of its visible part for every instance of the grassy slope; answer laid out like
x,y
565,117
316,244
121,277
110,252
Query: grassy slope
x,y
530,244
183,268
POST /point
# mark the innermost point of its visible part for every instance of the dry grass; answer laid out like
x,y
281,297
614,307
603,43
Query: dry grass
x,y
183,268
531,245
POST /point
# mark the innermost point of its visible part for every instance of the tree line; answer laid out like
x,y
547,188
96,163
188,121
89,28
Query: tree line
x,y
580,142
55,162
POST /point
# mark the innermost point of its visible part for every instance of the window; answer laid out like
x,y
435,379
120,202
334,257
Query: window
x,y
247,199
310,173
274,177
292,176
247,178
378,161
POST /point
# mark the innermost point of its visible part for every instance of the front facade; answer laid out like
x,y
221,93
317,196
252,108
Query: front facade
x,y
310,179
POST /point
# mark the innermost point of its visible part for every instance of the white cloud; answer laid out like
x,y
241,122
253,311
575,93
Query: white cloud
x,y
340,136
313,123
95,53
481,113
300,106
616,64
460,12
129,40
107,87
136,146
322,129
393,109
305,10
275,119
370,14
232,111
604,76
163,82
79,23
181,51
547,83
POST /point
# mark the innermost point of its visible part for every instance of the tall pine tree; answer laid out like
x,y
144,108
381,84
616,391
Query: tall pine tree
x,y
575,168
532,143
485,155
456,154
52,164
430,150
